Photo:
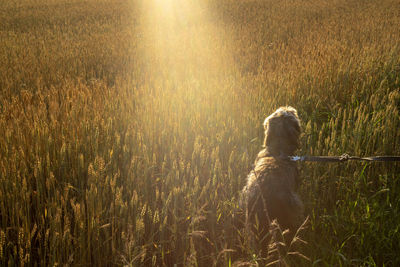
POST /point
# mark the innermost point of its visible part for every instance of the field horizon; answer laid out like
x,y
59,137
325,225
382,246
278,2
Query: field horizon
x,y
128,128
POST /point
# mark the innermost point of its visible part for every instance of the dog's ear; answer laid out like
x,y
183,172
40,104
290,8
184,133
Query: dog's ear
x,y
267,134
291,131
273,128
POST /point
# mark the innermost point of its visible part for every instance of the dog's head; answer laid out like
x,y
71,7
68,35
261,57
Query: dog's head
x,y
282,131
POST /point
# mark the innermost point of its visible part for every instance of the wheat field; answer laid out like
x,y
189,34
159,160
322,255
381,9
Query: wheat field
x,y
127,127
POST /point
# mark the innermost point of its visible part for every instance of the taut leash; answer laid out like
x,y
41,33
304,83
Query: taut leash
x,y
342,158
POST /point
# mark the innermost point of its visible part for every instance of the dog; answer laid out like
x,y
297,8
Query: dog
x,y
271,189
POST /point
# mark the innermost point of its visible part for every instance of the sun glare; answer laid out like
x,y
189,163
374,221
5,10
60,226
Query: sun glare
x,y
182,39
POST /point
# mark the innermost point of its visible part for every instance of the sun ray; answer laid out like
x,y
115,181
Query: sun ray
x,y
182,40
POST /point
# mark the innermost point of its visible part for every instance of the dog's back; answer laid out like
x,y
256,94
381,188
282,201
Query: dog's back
x,y
270,193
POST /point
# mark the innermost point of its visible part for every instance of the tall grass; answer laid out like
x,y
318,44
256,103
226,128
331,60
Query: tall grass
x,y
114,153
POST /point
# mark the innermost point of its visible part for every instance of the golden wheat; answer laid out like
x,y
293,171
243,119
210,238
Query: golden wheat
x,y
127,127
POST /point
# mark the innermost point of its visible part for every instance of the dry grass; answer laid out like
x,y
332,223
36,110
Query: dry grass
x,y
127,128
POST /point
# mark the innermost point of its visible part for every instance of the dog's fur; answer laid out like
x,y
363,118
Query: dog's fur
x,y
270,192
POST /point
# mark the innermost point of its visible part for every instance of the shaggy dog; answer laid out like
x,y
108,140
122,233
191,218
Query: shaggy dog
x,y
270,192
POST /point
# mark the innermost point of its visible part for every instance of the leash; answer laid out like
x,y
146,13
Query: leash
x,y
342,158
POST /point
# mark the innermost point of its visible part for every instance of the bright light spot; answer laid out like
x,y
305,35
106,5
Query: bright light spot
x,y
182,40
